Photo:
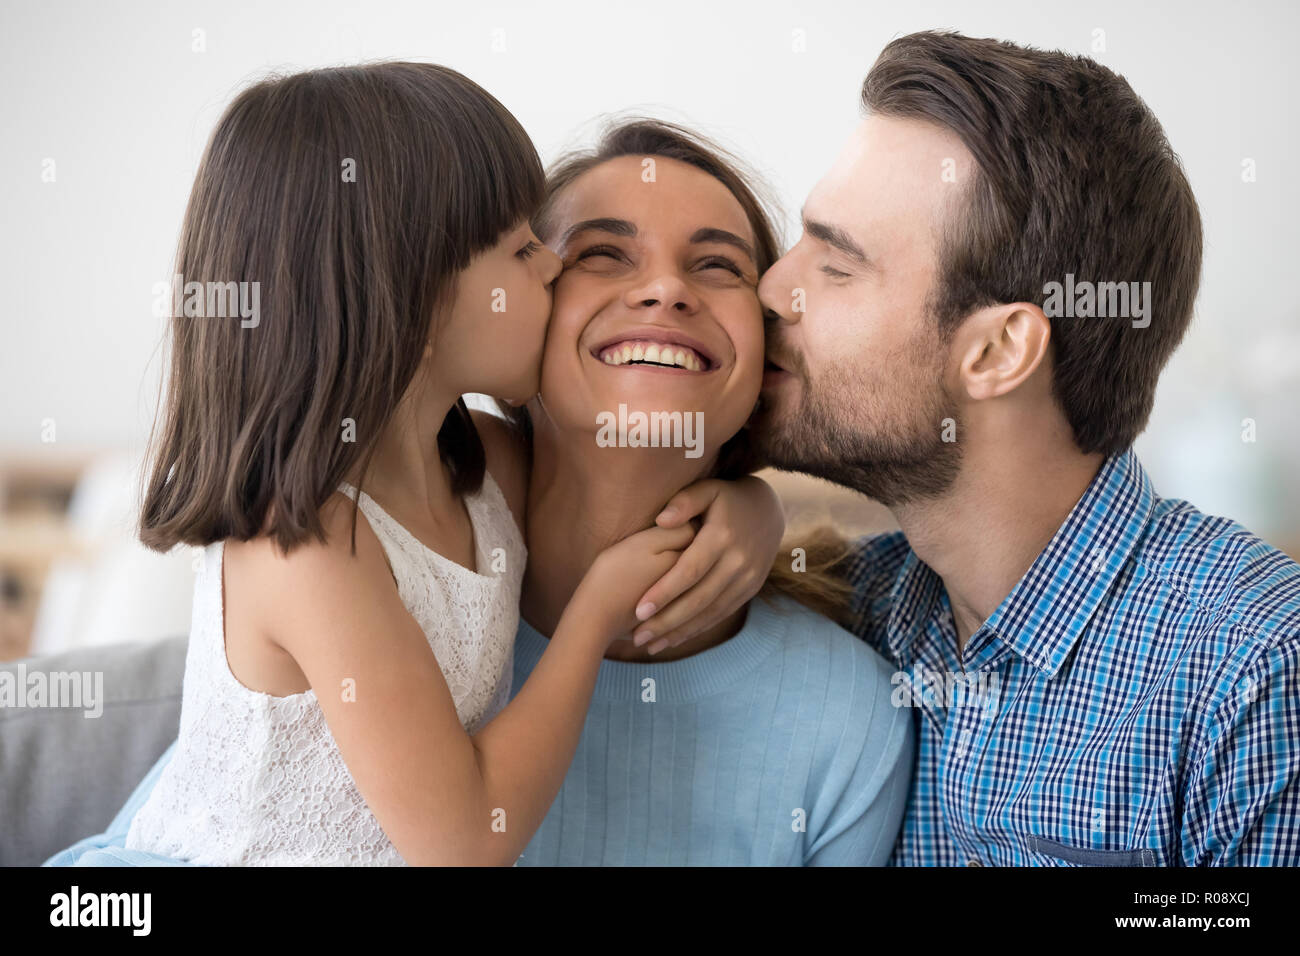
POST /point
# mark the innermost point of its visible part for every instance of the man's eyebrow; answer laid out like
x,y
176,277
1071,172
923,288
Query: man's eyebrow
x,y
619,227
709,234
836,237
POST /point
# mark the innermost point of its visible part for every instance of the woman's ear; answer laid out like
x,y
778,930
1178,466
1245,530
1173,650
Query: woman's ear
x,y
998,348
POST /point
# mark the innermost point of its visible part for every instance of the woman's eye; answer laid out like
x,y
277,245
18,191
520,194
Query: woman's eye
x,y
529,249
834,273
608,251
720,263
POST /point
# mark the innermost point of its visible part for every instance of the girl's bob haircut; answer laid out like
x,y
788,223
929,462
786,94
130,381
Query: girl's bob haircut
x,y
351,197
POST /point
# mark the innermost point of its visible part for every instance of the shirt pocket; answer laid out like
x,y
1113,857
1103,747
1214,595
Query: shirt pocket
x,y
1063,855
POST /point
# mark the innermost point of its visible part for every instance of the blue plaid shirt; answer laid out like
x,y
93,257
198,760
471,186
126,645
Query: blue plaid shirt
x,y
1134,701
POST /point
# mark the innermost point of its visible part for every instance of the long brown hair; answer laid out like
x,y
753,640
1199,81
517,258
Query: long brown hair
x,y
353,196
818,586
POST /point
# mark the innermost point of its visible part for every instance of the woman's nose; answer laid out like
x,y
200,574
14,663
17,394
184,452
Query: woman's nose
x,y
665,289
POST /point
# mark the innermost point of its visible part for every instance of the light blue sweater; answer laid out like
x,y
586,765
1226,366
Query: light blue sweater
x,y
777,747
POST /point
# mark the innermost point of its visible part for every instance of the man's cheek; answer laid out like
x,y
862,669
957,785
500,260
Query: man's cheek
x,y
838,337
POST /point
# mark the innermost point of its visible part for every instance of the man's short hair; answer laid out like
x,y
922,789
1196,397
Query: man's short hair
x,y
1075,178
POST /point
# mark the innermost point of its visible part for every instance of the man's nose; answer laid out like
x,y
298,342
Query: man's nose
x,y
776,295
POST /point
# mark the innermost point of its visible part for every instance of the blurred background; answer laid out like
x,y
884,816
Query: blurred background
x,y
108,106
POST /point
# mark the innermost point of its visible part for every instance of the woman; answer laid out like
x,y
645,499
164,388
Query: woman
x,y
770,739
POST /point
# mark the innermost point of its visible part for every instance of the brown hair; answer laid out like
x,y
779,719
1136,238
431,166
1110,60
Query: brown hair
x,y
352,270
1075,176
816,587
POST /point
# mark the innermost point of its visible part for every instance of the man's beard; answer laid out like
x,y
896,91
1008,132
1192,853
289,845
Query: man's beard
x,y
881,438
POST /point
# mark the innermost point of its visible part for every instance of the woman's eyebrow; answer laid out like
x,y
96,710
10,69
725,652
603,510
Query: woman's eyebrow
x,y
721,235
619,227
622,227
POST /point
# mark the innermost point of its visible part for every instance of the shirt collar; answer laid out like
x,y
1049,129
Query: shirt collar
x,y
1048,609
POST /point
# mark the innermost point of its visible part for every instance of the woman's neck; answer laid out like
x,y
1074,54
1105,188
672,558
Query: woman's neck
x,y
583,498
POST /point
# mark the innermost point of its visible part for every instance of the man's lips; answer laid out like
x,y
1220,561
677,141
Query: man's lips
x,y
775,373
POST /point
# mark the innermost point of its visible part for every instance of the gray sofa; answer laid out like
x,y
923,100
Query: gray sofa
x,y
64,776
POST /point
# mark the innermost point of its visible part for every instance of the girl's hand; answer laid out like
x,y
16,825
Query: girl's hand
x,y
723,568
620,574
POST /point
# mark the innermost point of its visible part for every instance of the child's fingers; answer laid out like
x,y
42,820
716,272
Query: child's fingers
x,y
693,602
689,502
712,615
666,539
695,562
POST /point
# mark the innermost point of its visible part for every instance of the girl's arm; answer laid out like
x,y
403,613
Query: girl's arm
x,y
442,796
724,567
743,523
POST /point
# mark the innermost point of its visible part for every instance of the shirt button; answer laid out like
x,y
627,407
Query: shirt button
x,y
974,863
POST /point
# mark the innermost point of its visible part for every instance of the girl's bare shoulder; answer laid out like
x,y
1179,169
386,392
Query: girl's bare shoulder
x,y
314,562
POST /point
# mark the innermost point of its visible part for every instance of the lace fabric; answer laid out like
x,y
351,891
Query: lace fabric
x,y
258,779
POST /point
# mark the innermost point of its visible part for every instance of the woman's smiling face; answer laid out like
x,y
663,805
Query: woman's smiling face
x,y
657,306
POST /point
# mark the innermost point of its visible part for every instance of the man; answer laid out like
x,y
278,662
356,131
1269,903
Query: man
x,y
1101,676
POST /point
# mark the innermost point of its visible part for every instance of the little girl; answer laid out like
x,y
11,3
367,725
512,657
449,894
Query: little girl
x,y
346,679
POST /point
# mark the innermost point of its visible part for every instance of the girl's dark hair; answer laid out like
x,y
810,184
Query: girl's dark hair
x,y
352,197
819,586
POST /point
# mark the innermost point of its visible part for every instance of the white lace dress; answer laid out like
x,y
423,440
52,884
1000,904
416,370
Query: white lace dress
x,y
257,779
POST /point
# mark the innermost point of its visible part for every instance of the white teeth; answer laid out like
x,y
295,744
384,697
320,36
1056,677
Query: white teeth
x,y
663,355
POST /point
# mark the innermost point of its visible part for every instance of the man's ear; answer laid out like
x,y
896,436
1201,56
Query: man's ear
x,y
999,347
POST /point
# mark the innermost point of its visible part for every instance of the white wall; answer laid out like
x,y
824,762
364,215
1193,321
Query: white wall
x,y
114,94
